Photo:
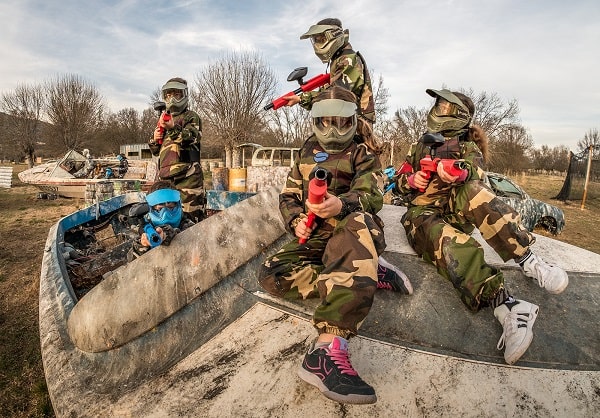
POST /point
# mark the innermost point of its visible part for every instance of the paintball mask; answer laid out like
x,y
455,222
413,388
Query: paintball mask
x,y
175,95
449,115
334,123
165,207
326,40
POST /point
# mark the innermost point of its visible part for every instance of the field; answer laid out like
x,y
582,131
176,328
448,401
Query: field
x,y
24,227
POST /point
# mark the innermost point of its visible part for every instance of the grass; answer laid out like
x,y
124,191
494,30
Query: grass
x,y
24,227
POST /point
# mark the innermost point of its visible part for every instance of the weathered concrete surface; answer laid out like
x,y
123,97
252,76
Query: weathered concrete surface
x,y
249,369
426,355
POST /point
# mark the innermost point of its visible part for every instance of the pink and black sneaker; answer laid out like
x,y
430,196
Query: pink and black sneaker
x,y
328,368
390,277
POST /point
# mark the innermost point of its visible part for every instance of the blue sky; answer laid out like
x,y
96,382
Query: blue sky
x,y
544,54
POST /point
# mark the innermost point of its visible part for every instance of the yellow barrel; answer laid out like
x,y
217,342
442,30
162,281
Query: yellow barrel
x,y
237,179
220,178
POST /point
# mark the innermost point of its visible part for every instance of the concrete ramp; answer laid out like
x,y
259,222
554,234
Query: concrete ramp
x,y
249,370
233,351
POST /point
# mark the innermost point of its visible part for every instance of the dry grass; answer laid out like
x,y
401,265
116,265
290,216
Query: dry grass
x,y
24,227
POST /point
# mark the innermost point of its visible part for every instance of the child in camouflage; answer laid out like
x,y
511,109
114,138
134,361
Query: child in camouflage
x,y
445,204
339,260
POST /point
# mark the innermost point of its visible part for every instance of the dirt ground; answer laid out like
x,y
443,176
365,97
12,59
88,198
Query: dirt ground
x,y
24,227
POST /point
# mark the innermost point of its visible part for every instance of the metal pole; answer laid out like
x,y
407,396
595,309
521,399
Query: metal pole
x,y
587,178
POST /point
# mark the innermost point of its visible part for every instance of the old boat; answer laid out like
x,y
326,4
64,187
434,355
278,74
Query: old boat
x,y
68,176
185,330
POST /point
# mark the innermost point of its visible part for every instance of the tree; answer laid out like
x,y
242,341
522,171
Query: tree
x,y
75,109
591,138
289,126
24,105
230,94
509,150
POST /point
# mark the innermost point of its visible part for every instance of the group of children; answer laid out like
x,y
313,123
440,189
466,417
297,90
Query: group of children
x,y
337,258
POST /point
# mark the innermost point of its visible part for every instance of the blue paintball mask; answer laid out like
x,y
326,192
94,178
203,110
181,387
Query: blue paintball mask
x,y
165,207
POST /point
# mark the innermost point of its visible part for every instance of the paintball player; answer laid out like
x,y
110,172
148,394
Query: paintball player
x,y
339,259
444,209
347,67
164,219
176,141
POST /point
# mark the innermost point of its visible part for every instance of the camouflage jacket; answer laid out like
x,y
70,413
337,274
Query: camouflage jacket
x,y
437,192
180,146
187,131
356,179
348,69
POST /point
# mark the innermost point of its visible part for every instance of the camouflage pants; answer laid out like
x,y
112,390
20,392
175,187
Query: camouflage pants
x,y
191,187
338,263
442,237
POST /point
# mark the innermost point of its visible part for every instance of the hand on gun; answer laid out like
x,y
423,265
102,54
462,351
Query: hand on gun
x,y
152,237
316,203
291,98
165,122
448,170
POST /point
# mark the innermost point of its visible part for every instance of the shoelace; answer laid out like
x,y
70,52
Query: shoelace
x,y
384,285
542,268
342,359
513,325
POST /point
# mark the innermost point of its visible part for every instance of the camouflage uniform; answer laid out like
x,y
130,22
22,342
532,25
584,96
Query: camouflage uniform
x,y
348,69
179,161
439,222
339,261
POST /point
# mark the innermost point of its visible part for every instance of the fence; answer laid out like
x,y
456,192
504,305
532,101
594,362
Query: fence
x,y
6,177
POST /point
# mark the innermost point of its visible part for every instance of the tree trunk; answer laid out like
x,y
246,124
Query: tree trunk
x,y
228,154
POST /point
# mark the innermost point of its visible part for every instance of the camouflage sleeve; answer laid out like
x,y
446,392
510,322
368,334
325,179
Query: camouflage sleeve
x,y
473,160
290,198
306,99
187,129
348,71
365,188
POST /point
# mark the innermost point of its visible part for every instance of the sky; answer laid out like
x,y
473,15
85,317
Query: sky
x,y
543,53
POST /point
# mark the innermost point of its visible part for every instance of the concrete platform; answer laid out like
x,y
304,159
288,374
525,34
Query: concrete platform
x,y
249,369
425,354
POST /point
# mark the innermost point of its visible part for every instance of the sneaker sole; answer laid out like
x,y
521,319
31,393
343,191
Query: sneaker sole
x,y
527,342
352,398
407,284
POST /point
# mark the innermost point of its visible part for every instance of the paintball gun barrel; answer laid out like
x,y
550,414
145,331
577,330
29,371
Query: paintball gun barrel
x,y
153,236
165,116
296,75
317,187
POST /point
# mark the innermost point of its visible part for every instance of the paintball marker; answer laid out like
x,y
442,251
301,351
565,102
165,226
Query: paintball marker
x,y
153,236
165,116
429,163
317,187
296,75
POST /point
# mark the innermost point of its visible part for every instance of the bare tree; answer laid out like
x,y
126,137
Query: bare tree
x,y
290,126
509,150
550,159
74,108
381,95
591,138
231,93
24,105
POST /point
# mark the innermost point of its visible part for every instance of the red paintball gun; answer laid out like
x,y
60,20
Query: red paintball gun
x,y
317,187
297,75
429,163
165,116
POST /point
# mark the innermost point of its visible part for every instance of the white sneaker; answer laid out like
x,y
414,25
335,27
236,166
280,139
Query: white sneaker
x,y
550,277
517,320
